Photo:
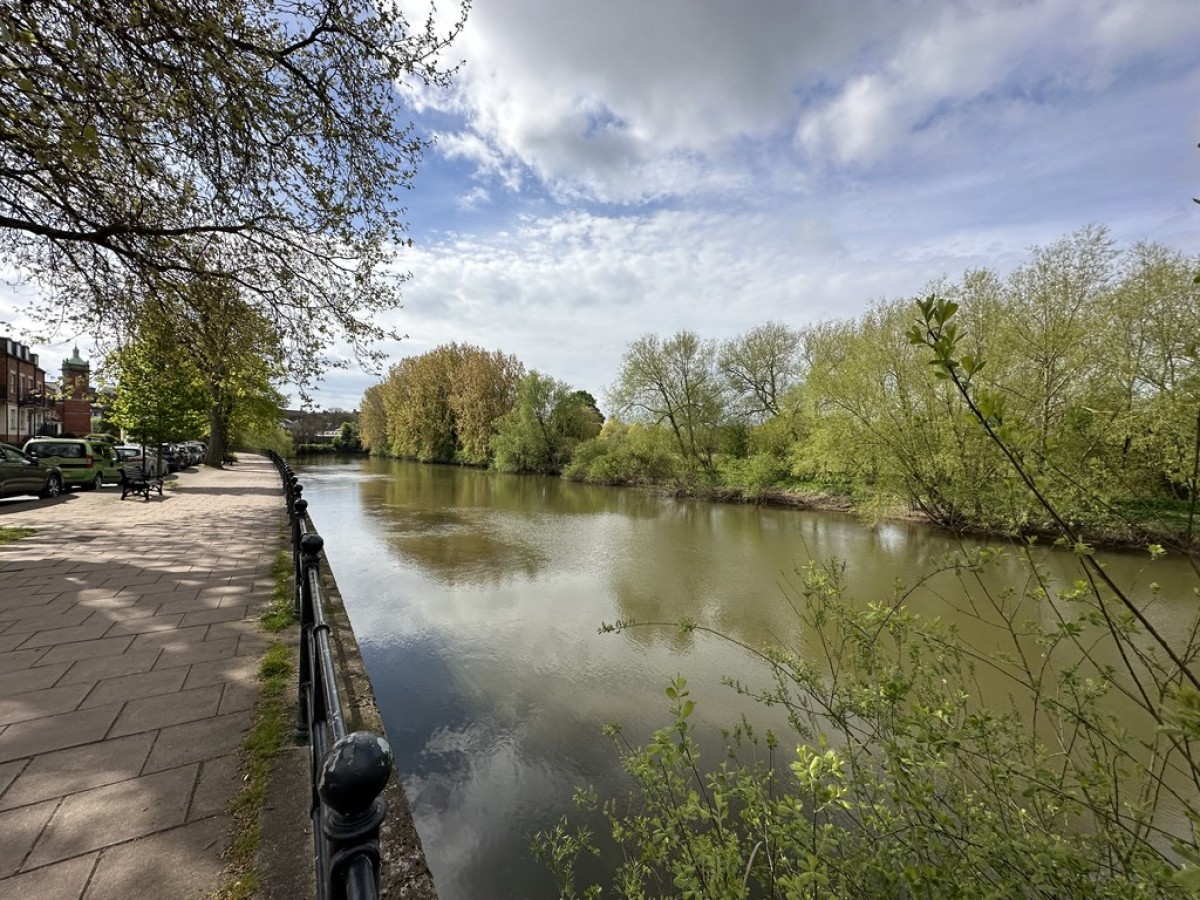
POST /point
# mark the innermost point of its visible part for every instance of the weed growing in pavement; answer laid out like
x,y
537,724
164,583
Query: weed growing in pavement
x,y
270,734
11,535
280,615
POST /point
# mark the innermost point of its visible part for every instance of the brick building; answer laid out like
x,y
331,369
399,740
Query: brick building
x,y
26,405
74,404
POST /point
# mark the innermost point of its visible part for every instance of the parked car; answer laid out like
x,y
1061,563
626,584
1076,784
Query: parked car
x,y
21,474
86,464
198,449
145,458
172,457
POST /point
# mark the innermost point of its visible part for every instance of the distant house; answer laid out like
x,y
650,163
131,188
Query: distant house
x,y
317,426
28,405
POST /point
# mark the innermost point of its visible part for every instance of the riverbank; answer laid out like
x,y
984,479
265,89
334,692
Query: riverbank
x,y
1130,536
1124,535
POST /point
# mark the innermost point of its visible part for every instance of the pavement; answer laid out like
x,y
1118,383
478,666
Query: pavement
x,y
129,651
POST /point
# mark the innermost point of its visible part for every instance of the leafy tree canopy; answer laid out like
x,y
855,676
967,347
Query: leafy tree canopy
x,y
253,143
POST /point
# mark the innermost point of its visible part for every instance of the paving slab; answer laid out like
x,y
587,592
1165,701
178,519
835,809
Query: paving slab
x,y
52,733
63,881
10,642
186,858
78,769
97,669
198,741
134,687
39,704
19,829
85,821
31,679
128,677
9,772
156,713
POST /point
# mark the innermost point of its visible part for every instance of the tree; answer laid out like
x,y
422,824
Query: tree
x,y
255,145
760,367
577,418
1149,387
347,440
372,420
885,419
158,394
205,350
1052,309
442,406
483,388
674,382
546,424
416,397
239,355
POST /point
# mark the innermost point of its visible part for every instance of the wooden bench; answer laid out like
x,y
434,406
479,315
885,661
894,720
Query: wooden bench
x,y
135,481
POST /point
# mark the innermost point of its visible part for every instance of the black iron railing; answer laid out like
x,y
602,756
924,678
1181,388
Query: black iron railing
x,y
349,771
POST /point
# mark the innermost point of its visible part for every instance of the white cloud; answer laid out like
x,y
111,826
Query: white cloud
x,y
1053,53
626,101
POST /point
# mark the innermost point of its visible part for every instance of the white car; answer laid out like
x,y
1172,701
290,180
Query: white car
x,y
144,457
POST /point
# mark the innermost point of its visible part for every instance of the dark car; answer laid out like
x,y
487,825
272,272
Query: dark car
x,y
171,456
21,474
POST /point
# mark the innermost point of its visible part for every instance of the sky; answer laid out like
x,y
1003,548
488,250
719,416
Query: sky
x,y
606,170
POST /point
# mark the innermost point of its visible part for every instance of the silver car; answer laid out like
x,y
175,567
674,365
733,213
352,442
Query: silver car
x,y
144,457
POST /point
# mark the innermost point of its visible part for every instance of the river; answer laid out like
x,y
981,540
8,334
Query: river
x,y
476,598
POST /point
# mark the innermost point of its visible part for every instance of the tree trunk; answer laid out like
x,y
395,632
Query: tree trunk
x,y
217,432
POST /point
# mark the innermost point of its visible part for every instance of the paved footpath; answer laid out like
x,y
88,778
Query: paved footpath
x,y
129,649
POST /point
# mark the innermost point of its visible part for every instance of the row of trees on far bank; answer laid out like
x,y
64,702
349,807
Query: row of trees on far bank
x,y
464,404
1087,355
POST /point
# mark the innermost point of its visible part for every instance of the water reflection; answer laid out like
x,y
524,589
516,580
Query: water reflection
x,y
476,598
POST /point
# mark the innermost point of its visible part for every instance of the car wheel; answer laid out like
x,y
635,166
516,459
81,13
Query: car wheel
x,y
96,483
53,487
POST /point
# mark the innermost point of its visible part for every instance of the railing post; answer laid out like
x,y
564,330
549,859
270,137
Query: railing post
x,y
353,775
298,519
310,561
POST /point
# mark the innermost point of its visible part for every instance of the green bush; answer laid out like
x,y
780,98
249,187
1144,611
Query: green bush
x,y
752,475
626,454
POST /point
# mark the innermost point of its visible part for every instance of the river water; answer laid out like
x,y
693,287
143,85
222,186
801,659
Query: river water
x,y
476,598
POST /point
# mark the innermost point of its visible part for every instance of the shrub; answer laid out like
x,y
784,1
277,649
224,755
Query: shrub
x,y
626,454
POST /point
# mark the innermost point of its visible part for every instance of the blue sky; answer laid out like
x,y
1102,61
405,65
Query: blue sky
x,y
603,170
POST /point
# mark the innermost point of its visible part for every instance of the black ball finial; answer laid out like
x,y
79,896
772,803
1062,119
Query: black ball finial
x,y
354,773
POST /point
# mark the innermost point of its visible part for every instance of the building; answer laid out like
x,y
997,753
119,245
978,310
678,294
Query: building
x,y
74,405
28,406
